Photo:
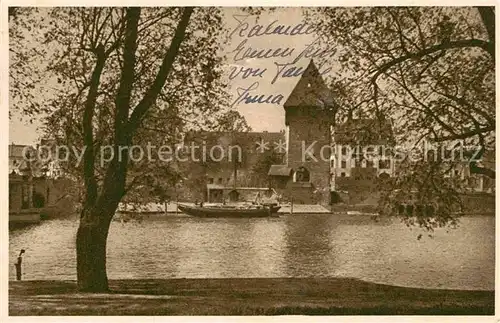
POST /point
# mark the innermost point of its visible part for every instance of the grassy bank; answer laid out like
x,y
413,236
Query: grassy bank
x,y
250,296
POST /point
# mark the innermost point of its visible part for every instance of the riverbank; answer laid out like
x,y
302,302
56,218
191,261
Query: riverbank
x,y
171,209
249,296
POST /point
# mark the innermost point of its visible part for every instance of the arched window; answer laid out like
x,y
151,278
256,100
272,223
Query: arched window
x,y
234,196
38,200
383,175
384,164
302,175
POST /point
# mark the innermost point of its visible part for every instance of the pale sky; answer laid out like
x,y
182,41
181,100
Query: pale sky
x,y
261,117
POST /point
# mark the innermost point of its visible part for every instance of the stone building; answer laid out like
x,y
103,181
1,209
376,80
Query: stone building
x,y
302,173
318,160
362,158
48,151
30,187
18,155
294,162
363,149
223,166
308,141
324,157
475,182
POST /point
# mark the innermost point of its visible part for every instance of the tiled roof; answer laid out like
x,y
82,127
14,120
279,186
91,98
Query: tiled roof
x,y
310,91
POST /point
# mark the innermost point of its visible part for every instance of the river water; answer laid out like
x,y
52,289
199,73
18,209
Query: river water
x,y
288,246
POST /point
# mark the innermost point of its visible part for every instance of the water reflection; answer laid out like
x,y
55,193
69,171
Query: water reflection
x,y
309,251
231,247
450,258
50,249
289,246
143,249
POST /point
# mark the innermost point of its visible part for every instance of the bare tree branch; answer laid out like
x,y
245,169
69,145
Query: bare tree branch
x,y
490,48
165,68
466,135
88,137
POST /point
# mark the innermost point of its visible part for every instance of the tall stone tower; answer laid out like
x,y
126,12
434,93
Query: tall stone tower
x,y
307,118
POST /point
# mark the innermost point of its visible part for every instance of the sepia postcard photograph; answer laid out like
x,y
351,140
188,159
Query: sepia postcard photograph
x,y
249,161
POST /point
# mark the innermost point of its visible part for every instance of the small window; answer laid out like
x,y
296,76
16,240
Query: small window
x,y
220,180
302,175
210,180
357,152
383,164
342,174
343,164
431,155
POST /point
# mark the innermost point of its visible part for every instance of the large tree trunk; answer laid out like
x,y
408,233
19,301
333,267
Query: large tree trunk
x,y
100,205
91,240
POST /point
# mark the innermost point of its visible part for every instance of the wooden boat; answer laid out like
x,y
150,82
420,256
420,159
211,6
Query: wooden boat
x,y
273,206
227,211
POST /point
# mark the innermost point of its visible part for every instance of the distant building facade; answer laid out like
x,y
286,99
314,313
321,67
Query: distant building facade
x,y
18,157
308,139
475,182
30,183
224,161
306,170
295,162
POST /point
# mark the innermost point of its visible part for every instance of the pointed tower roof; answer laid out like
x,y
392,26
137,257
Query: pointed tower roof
x,y
310,91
